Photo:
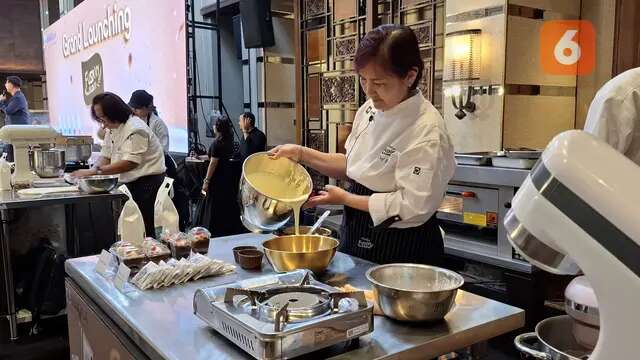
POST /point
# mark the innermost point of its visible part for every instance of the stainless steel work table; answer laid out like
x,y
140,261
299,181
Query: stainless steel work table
x,y
10,200
162,325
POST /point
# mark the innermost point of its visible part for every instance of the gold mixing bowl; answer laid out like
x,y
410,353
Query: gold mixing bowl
x,y
291,252
305,230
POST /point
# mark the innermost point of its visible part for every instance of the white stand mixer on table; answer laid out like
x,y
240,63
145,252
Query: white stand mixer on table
x,y
22,137
580,203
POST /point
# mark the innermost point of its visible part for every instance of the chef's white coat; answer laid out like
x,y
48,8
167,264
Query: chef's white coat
x,y
404,155
160,130
133,141
614,114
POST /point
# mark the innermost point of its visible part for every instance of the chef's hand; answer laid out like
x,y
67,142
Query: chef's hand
x,y
3,97
83,173
289,151
332,195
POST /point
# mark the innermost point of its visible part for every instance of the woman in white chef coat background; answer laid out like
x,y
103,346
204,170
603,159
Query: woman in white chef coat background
x,y
130,150
399,157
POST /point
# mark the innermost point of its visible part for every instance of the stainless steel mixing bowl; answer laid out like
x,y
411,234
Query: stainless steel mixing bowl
x,y
555,339
413,292
47,163
98,183
259,212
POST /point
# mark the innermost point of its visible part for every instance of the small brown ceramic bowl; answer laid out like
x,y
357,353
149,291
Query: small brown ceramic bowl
x,y
240,248
250,259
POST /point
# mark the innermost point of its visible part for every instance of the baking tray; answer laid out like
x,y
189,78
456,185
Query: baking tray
x,y
522,154
513,163
475,158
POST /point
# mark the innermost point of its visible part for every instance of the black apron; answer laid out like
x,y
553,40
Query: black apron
x,y
384,245
144,191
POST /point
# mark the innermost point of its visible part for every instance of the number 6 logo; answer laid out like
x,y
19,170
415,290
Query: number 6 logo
x,y
567,47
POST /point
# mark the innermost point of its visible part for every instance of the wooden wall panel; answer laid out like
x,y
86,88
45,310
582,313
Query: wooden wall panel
x,y
627,36
316,45
344,9
527,122
313,97
523,60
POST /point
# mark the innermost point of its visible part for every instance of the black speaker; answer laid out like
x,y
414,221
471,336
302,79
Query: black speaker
x,y
237,36
257,24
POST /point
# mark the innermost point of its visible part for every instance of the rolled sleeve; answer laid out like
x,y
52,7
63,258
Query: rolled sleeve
x,y
107,146
134,147
613,120
161,131
422,174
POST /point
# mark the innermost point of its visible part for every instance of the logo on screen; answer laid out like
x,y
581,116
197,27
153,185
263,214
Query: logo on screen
x,y
92,78
567,47
49,38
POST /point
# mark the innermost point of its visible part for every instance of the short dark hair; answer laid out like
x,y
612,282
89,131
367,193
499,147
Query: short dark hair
x,y
394,47
249,115
113,107
141,99
14,80
224,128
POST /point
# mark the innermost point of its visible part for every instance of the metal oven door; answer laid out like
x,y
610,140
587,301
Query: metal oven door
x,y
469,217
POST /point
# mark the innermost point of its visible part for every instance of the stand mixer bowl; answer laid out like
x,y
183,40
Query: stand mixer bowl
x,y
47,163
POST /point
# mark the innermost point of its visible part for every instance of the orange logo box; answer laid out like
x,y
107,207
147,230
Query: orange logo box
x,y
567,47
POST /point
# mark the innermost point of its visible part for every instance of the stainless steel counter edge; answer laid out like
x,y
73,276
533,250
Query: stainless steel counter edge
x,y
140,340
490,175
11,200
162,324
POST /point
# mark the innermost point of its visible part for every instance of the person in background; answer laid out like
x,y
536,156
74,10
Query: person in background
x,y
253,140
130,150
142,104
143,107
16,108
221,213
614,114
399,158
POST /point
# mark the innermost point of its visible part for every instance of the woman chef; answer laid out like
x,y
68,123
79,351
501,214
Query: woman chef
x,y
131,150
398,159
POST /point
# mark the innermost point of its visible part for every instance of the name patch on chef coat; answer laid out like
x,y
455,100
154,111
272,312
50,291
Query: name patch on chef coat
x,y
386,154
365,243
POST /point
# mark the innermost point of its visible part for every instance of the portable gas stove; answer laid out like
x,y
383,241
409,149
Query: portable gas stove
x,y
284,315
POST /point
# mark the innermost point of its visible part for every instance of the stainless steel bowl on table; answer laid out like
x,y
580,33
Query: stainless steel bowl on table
x,y
98,183
414,292
47,163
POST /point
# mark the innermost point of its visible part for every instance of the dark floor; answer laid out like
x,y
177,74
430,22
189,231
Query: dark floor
x,y
51,342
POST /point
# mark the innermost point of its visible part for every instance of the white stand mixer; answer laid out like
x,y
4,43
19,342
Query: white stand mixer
x,y
22,137
579,204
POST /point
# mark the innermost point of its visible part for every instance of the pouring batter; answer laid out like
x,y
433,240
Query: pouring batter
x,y
399,157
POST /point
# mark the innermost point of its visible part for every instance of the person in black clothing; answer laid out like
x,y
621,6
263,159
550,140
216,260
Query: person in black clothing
x,y
221,213
253,140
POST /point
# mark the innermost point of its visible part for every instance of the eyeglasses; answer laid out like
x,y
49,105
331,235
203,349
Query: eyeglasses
x,y
102,118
